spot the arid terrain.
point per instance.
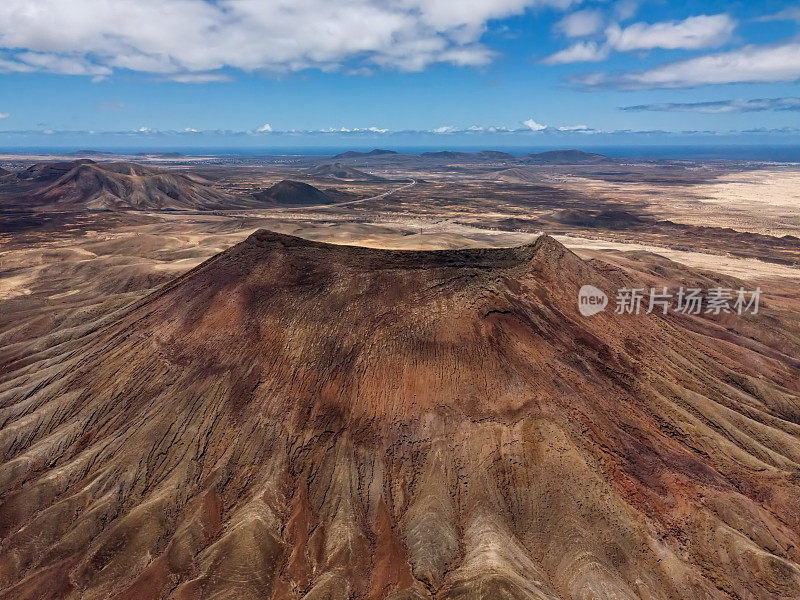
(366, 376)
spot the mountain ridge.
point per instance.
(86, 184)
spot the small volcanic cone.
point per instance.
(293, 193)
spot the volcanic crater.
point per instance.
(294, 419)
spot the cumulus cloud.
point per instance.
(4, 115)
(692, 33)
(702, 31)
(580, 23)
(533, 125)
(265, 128)
(745, 65)
(578, 52)
(721, 106)
(192, 40)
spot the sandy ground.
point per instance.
(749, 269)
(763, 201)
(78, 272)
(60, 269)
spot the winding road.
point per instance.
(411, 183)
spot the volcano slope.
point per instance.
(293, 419)
(85, 184)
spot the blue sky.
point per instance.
(281, 73)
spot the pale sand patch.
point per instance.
(184, 264)
(744, 268)
(63, 295)
(755, 188)
(12, 287)
(765, 201)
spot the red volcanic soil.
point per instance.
(294, 419)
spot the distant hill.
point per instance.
(294, 193)
(48, 171)
(448, 154)
(457, 155)
(92, 153)
(356, 154)
(85, 184)
(340, 171)
(494, 155)
(567, 157)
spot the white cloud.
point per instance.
(28, 62)
(445, 129)
(580, 23)
(702, 31)
(574, 128)
(578, 52)
(4, 115)
(625, 9)
(791, 13)
(533, 125)
(562, 132)
(265, 128)
(355, 130)
(722, 106)
(746, 65)
(198, 77)
(193, 40)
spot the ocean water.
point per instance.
(755, 153)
